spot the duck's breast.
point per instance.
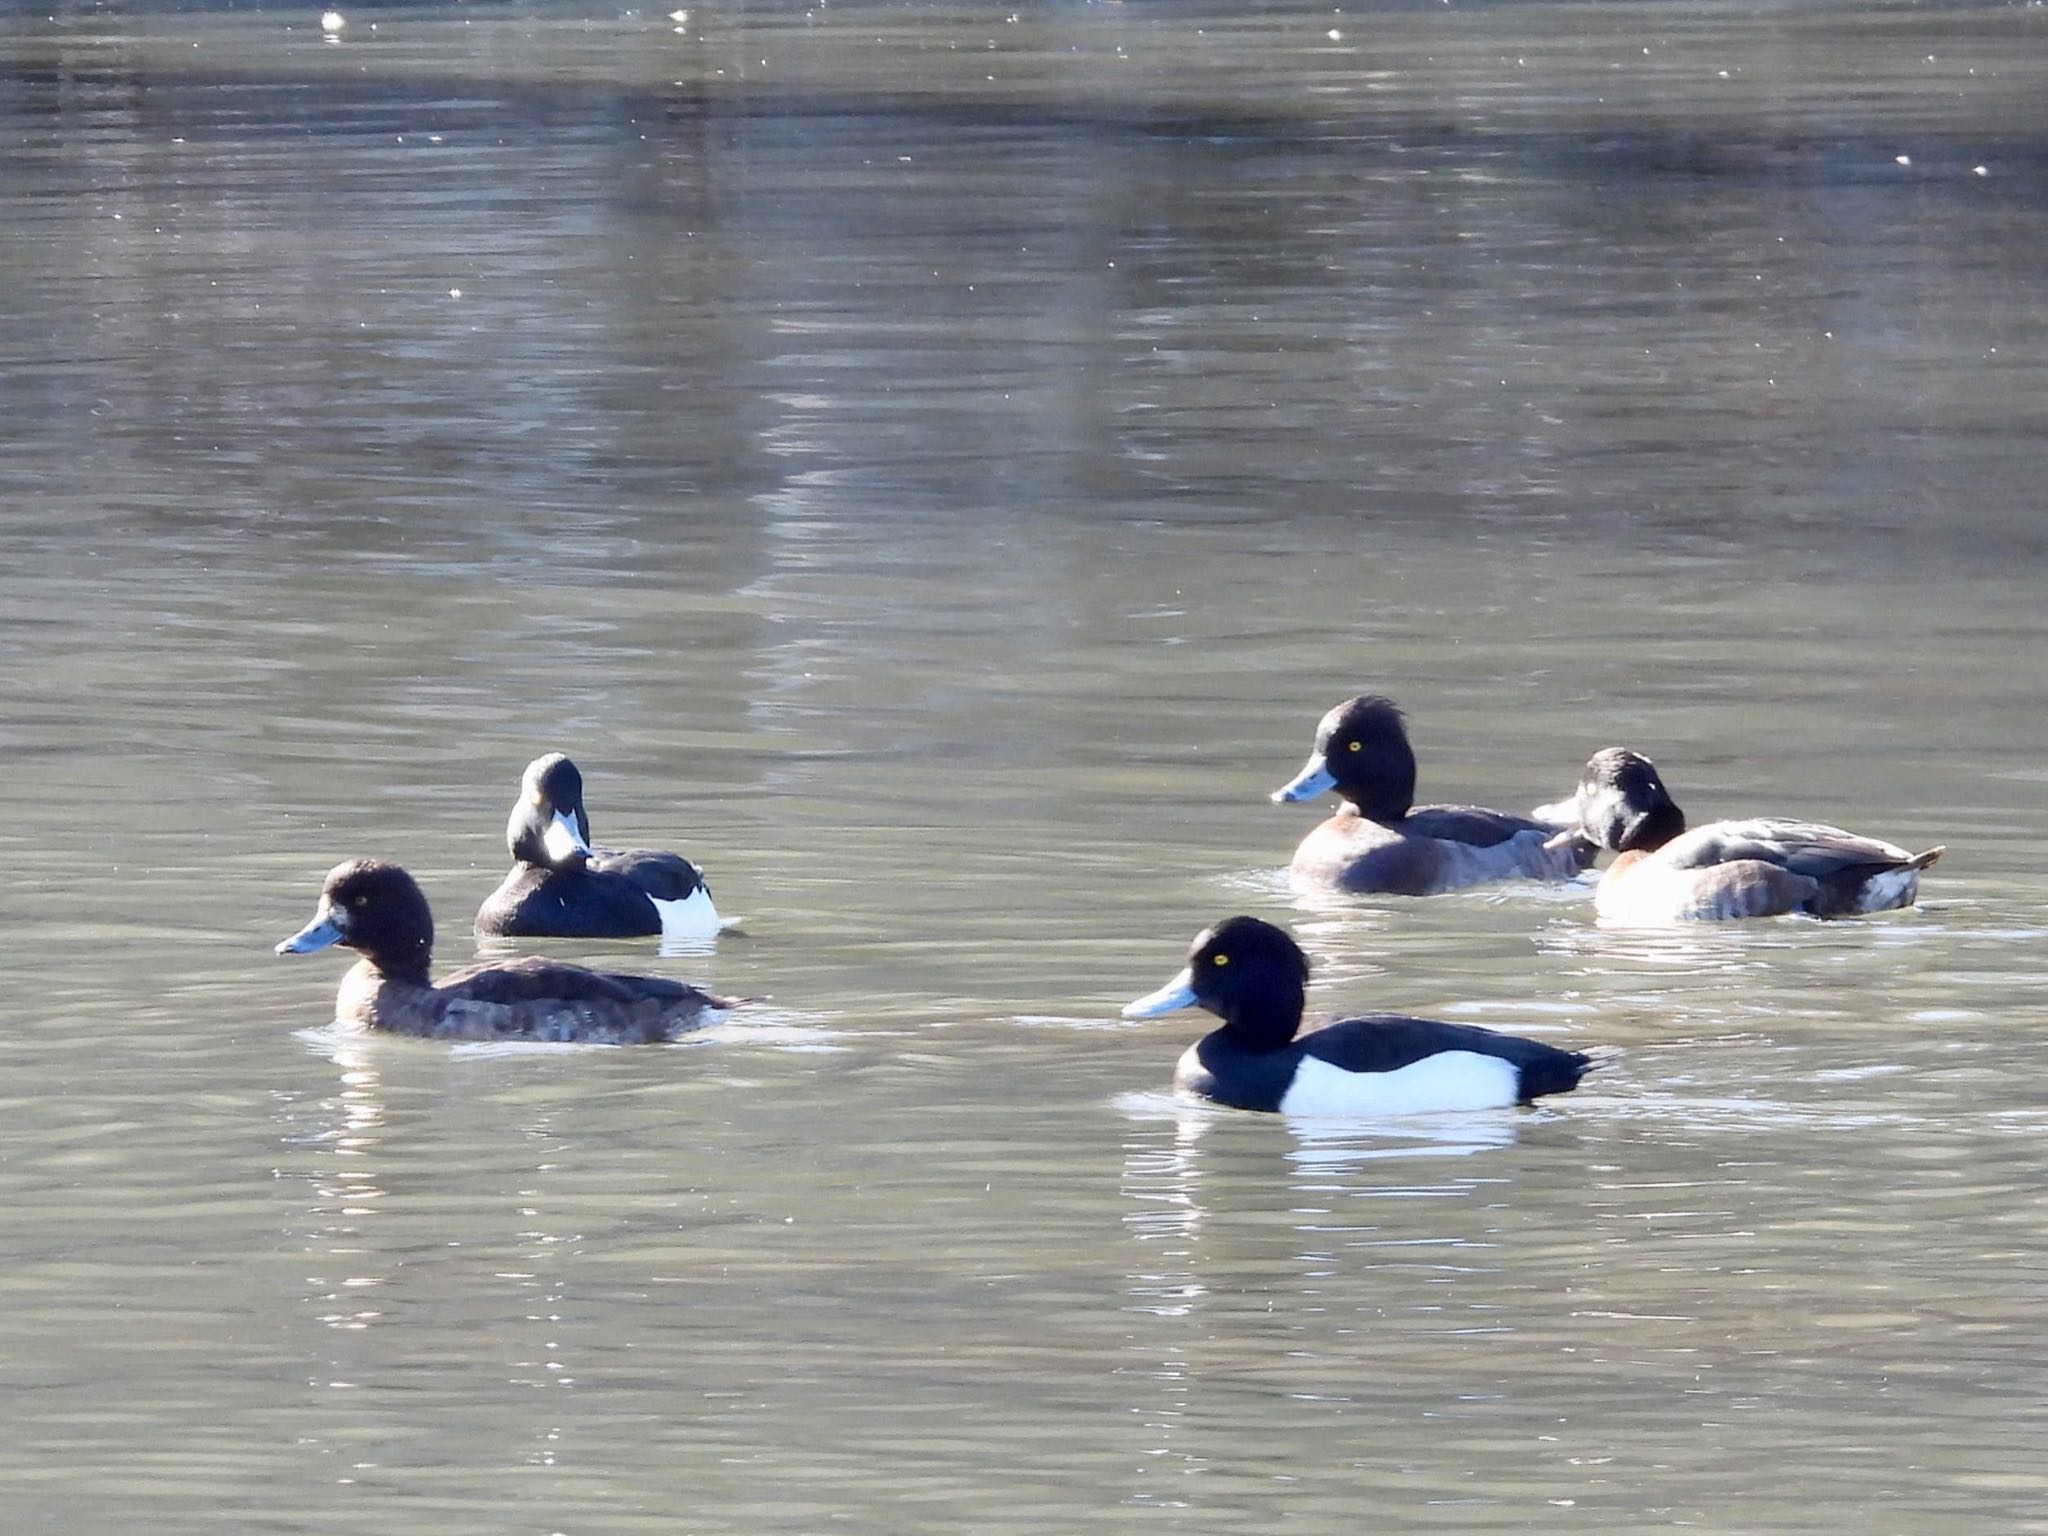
(1350, 853)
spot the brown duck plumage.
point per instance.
(376, 909)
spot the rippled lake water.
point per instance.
(933, 465)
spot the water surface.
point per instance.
(934, 465)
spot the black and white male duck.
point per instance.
(1763, 867)
(1381, 841)
(376, 909)
(561, 886)
(1254, 977)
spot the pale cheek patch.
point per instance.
(691, 918)
(1449, 1080)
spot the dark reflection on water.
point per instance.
(933, 465)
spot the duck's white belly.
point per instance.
(1449, 1080)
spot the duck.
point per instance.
(562, 886)
(1767, 866)
(375, 908)
(1254, 977)
(1380, 841)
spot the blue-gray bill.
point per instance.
(1314, 779)
(317, 934)
(1177, 993)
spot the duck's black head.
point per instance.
(1248, 973)
(1362, 752)
(549, 826)
(1622, 804)
(375, 908)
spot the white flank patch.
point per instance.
(1893, 888)
(691, 918)
(1449, 1080)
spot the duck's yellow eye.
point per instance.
(539, 798)
(1356, 746)
(1219, 959)
(359, 901)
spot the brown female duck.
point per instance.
(376, 909)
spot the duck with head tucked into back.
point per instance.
(1763, 867)
(376, 909)
(561, 886)
(1254, 977)
(1381, 841)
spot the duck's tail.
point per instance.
(1876, 888)
(1598, 1056)
(726, 1004)
(1559, 1071)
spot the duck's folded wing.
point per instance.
(664, 876)
(532, 980)
(1809, 848)
(1385, 1042)
(1470, 824)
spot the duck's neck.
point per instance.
(1381, 801)
(1271, 1021)
(408, 965)
(1653, 830)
